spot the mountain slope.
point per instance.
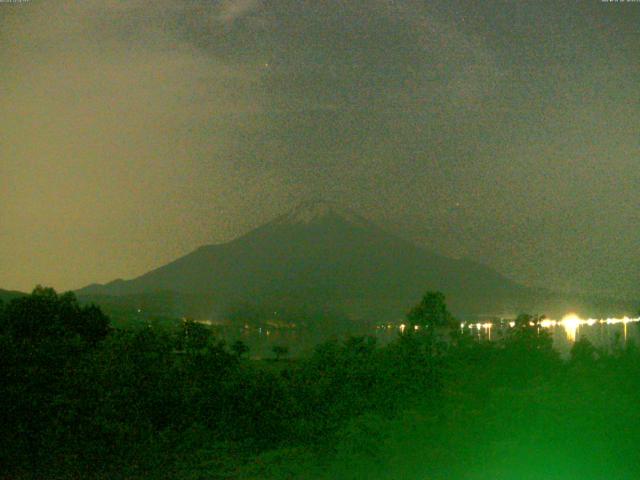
(8, 295)
(323, 257)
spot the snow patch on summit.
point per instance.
(314, 211)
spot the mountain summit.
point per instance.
(319, 256)
(318, 211)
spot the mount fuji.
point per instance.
(318, 257)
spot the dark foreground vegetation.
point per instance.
(79, 399)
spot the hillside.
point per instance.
(8, 295)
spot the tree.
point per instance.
(45, 339)
(280, 351)
(46, 315)
(194, 335)
(239, 348)
(430, 312)
(583, 352)
(523, 320)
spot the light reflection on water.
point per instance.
(606, 333)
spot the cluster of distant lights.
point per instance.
(570, 322)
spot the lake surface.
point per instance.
(607, 334)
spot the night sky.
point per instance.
(132, 132)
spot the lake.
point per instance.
(608, 334)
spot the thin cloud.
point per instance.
(231, 10)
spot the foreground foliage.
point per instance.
(80, 400)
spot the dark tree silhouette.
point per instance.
(280, 351)
(194, 335)
(45, 314)
(584, 353)
(239, 348)
(432, 311)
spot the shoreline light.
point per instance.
(571, 323)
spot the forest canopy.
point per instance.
(80, 399)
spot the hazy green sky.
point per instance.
(132, 132)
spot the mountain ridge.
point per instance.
(8, 295)
(320, 257)
(326, 257)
